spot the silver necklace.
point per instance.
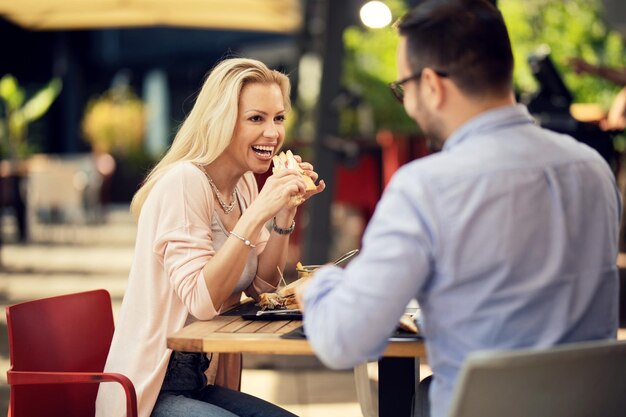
(226, 207)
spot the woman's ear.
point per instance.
(434, 88)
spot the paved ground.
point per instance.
(69, 259)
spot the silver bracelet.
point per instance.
(282, 231)
(243, 239)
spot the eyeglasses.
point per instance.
(397, 87)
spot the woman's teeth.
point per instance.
(263, 150)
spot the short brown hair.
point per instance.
(467, 39)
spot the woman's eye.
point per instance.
(256, 119)
(280, 118)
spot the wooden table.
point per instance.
(397, 373)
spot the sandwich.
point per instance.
(286, 160)
(285, 298)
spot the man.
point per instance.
(507, 238)
(616, 117)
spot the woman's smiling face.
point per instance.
(260, 128)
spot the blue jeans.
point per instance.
(184, 393)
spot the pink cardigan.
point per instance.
(166, 288)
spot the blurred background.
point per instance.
(91, 95)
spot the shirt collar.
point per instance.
(489, 121)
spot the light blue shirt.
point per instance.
(507, 238)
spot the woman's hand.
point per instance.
(276, 198)
(285, 216)
(277, 192)
(309, 171)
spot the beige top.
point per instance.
(178, 233)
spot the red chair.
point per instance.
(58, 348)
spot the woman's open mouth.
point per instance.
(263, 151)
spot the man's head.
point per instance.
(457, 57)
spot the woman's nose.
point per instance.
(271, 131)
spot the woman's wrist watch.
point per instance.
(282, 231)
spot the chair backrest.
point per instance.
(574, 380)
(70, 333)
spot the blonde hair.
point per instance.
(208, 129)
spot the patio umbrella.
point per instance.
(253, 15)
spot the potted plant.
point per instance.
(14, 146)
(19, 113)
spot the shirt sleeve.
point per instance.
(351, 312)
(183, 243)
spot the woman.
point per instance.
(201, 241)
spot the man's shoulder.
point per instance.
(427, 169)
(422, 176)
(425, 165)
(570, 150)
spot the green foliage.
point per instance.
(19, 113)
(369, 65)
(571, 28)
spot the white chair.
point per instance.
(364, 391)
(576, 380)
(367, 400)
(67, 185)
